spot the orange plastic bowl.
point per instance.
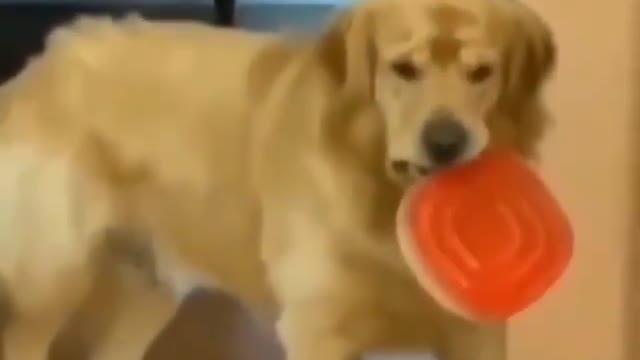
(488, 233)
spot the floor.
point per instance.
(215, 327)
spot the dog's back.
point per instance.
(131, 83)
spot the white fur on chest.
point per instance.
(178, 276)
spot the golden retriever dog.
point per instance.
(140, 160)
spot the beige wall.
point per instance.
(633, 328)
(587, 160)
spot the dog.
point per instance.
(142, 159)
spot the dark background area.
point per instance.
(24, 25)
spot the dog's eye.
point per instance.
(406, 70)
(479, 73)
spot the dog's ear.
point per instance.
(530, 56)
(528, 61)
(347, 52)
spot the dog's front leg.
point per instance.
(137, 315)
(311, 288)
(310, 333)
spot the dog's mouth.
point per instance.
(409, 172)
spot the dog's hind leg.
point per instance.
(50, 221)
(30, 332)
(128, 314)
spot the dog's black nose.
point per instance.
(444, 139)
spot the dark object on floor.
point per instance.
(209, 326)
(23, 26)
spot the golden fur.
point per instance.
(140, 159)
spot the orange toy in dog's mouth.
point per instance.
(485, 239)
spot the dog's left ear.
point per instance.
(530, 55)
(348, 54)
(528, 61)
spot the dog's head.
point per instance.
(449, 77)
